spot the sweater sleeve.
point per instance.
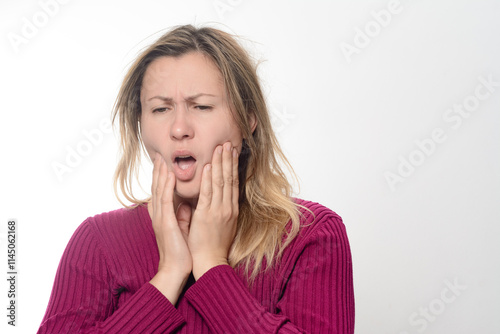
(317, 297)
(83, 299)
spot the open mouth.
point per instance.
(184, 161)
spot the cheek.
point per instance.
(150, 138)
(235, 137)
(218, 135)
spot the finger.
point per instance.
(227, 173)
(205, 188)
(159, 184)
(217, 178)
(156, 173)
(167, 200)
(236, 180)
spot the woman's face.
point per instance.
(185, 115)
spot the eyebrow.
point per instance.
(189, 98)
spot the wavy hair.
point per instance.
(266, 206)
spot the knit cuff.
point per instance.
(148, 310)
(225, 303)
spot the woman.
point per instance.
(220, 247)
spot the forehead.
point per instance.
(191, 73)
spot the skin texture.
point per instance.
(184, 109)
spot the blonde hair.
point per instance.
(266, 205)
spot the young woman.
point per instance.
(221, 246)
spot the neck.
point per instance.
(178, 200)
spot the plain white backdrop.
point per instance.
(381, 107)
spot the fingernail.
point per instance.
(208, 167)
(228, 147)
(219, 149)
(235, 152)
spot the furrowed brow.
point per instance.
(188, 99)
(194, 97)
(163, 98)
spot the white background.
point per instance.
(343, 122)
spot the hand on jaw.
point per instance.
(200, 240)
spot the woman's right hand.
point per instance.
(171, 229)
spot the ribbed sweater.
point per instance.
(102, 283)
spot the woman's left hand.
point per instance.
(213, 225)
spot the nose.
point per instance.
(181, 126)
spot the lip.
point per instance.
(183, 174)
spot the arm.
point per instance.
(83, 300)
(317, 298)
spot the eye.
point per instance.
(203, 107)
(160, 110)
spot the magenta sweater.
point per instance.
(102, 284)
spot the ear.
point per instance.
(253, 121)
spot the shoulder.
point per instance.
(113, 228)
(315, 217)
(320, 242)
(321, 231)
(123, 217)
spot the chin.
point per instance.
(187, 191)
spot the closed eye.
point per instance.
(203, 107)
(160, 110)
